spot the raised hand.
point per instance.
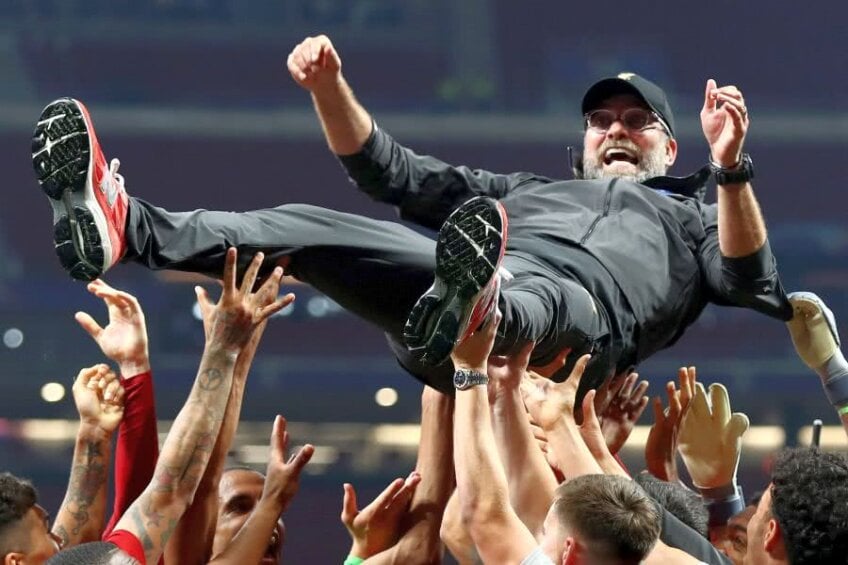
(548, 401)
(314, 63)
(711, 438)
(506, 372)
(230, 323)
(725, 121)
(661, 447)
(473, 352)
(623, 411)
(377, 526)
(282, 477)
(124, 339)
(99, 398)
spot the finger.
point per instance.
(388, 493)
(301, 63)
(736, 117)
(674, 407)
(273, 308)
(684, 377)
(720, 403)
(294, 69)
(404, 495)
(316, 46)
(520, 360)
(230, 271)
(89, 325)
(349, 508)
(86, 374)
(590, 418)
(699, 405)
(639, 392)
(203, 299)
(249, 278)
(731, 91)
(737, 425)
(627, 388)
(111, 390)
(577, 373)
(118, 395)
(637, 411)
(729, 100)
(299, 460)
(279, 439)
(709, 98)
(659, 411)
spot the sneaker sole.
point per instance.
(468, 253)
(61, 157)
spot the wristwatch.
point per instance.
(741, 173)
(465, 378)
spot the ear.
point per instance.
(569, 551)
(671, 151)
(773, 540)
(14, 559)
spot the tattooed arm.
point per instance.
(153, 517)
(99, 399)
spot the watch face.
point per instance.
(460, 379)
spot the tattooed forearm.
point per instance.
(80, 517)
(210, 379)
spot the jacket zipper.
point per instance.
(607, 200)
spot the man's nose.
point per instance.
(617, 130)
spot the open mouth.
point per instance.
(620, 154)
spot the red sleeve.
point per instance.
(138, 445)
(128, 543)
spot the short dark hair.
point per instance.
(94, 553)
(613, 516)
(808, 498)
(679, 501)
(17, 496)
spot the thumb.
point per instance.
(738, 425)
(89, 325)
(710, 100)
(349, 510)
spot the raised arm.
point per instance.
(426, 190)
(531, 481)
(99, 400)
(736, 257)
(153, 517)
(192, 540)
(481, 483)
(124, 341)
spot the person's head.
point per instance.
(629, 129)
(679, 501)
(25, 536)
(238, 494)
(734, 542)
(802, 516)
(94, 553)
(603, 519)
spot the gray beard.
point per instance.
(650, 165)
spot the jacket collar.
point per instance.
(692, 186)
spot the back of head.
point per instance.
(17, 496)
(611, 516)
(809, 499)
(679, 501)
(94, 553)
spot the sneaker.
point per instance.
(813, 329)
(87, 195)
(467, 286)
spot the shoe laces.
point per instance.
(114, 164)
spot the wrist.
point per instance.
(90, 430)
(133, 367)
(726, 162)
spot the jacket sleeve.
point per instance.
(751, 281)
(424, 189)
(137, 447)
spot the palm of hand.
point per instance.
(377, 528)
(617, 425)
(123, 338)
(94, 409)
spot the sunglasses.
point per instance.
(635, 119)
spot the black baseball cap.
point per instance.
(630, 83)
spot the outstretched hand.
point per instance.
(314, 63)
(282, 477)
(725, 121)
(661, 447)
(124, 339)
(376, 527)
(230, 323)
(547, 401)
(473, 351)
(623, 411)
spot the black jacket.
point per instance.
(660, 247)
